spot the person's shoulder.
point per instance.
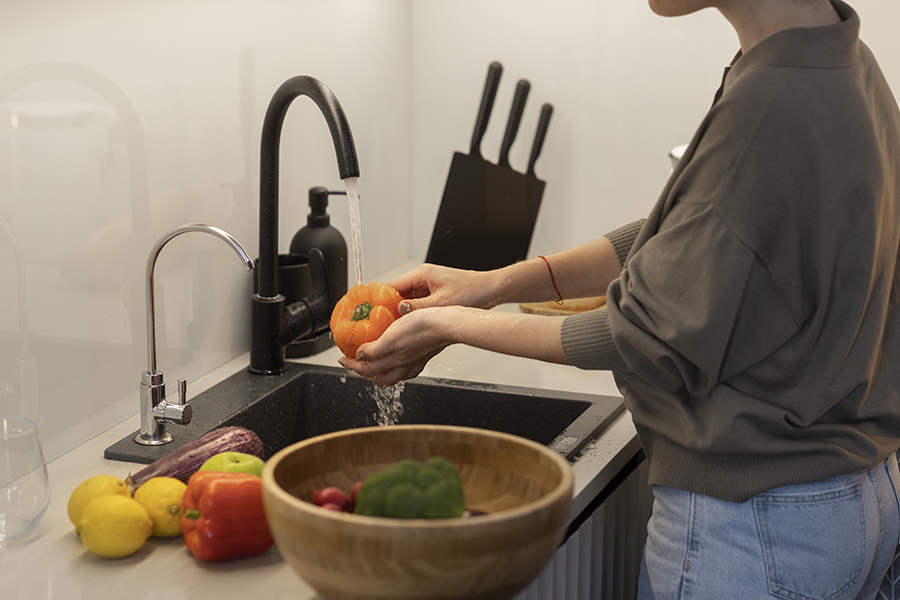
(762, 91)
(796, 112)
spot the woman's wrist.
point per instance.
(453, 323)
(519, 282)
(516, 334)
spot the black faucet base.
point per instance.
(310, 346)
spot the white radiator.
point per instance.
(890, 586)
(601, 560)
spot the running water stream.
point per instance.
(387, 400)
(355, 227)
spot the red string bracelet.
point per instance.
(552, 279)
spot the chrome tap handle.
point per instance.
(177, 413)
(180, 412)
(156, 410)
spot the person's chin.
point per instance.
(676, 8)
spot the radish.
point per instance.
(331, 495)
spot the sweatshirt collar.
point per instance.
(828, 46)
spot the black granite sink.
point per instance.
(312, 400)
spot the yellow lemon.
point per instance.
(162, 496)
(87, 490)
(114, 526)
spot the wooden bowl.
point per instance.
(524, 488)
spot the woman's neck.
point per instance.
(755, 21)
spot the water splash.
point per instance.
(387, 400)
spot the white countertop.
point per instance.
(53, 564)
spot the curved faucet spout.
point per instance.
(151, 264)
(156, 411)
(271, 319)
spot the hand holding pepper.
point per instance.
(367, 312)
(403, 350)
(434, 285)
(224, 516)
(363, 314)
(443, 306)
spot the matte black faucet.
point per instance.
(274, 324)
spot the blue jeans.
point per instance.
(830, 540)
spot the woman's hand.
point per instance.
(432, 295)
(404, 348)
(580, 272)
(444, 306)
(433, 285)
(411, 341)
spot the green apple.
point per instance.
(234, 462)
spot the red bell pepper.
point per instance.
(224, 516)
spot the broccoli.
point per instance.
(410, 490)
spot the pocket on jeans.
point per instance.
(814, 542)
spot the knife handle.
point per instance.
(491, 83)
(515, 118)
(539, 135)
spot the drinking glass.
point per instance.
(24, 488)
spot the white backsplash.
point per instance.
(121, 119)
(626, 84)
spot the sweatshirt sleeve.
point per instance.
(586, 337)
(680, 300)
(686, 294)
(623, 238)
(588, 342)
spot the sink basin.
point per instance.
(311, 400)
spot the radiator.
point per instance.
(890, 587)
(601, 560)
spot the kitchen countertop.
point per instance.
(51, 563)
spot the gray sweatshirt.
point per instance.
(754, 330)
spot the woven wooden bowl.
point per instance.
(524, 487)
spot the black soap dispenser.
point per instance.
(319, 233)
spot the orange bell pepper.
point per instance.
(363, 314)
(224, 516)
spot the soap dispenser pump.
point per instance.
(319, 233)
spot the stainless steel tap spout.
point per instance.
(155, 410)
(151, 264)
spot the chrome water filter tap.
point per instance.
(156, 411)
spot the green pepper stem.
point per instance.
(192, 513)
(361, 312)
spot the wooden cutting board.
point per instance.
(568, 307)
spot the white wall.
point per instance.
(195, 77)
(198, 75)
(626, 85)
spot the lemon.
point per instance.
(114, 526)
(162, 496)
(87, 490)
